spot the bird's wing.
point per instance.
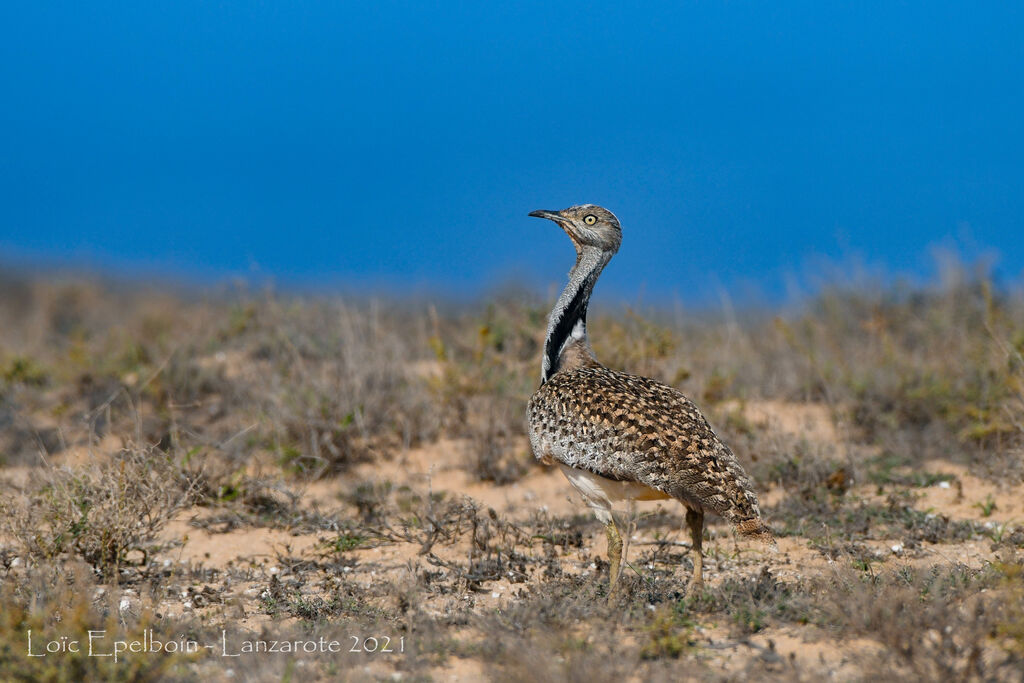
(633, 428)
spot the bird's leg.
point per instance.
(630, 524)
(604, 513)
(695, 520)
(614, 554)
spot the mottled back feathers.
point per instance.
(631, 428)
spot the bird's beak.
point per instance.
(550, 215)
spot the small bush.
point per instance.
(488, 372)
(101, 513)
(934, 624)
(335, 385)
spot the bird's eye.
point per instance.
(590, 219)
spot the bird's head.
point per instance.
(587, 226)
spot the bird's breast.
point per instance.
(606, 492)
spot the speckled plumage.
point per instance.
(619, 436)
(628, 428)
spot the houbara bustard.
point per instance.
(619, 437)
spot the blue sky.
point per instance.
(399, 146)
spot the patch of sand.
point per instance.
(246, 545)
(808, 420)
(969, 497)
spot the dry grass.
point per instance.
(340, 440)
(99, 513)
(336, 383)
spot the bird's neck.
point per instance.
(567, 324)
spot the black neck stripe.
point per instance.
(574, 312)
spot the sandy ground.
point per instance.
(439, 468)
(256, 553)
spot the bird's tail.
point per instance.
(756, 529)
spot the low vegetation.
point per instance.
(368, 467)
(102, 514)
